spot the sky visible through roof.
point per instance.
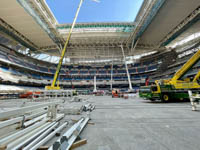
(105, 11)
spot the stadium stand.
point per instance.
(20, 66)
(183, 56)
(16, 67)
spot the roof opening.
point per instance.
(105, 11)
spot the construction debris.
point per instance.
(3, 147)
(88, 107)
(43, 148)
(80, 98)
(76, 99)
(76, 109)
(78, 144)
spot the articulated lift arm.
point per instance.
(53, 87)
(186, 67)
(196, 78)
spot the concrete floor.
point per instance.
(132, 124)
(136, 124)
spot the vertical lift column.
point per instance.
(53, 87)
(95, 84)
(128, 75)
(111, 77)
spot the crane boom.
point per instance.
(177, 87)
(186, 67)
(53, 87)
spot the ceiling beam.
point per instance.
(184, 25)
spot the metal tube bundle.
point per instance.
(44, 133)
(34, 132)
(48, 126)
(66, 141)
(74, 136)
(47, 138)
(12, 137)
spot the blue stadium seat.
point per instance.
(73, 72)
(141, 70)
(83, 72)
(121, 71)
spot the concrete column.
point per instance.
(95, 84)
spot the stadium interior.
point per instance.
(135, 76)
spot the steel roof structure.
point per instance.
(31, 24)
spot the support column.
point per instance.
(95, 84)
(134, 46)
(111, 77)
(128, 75)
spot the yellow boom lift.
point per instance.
(177, 87)
(53, 87)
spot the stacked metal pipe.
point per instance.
(68, 138)
(32, 122)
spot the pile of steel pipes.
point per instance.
(23, 126)
(35, 135)
(29, 128)
(68, 138)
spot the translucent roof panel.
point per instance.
(105, 11)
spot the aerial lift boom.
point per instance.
(53, 87)
(177, 87)
(183, 70)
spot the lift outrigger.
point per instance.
(177, 87)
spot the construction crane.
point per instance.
(177, 87)
(53, 87)
(179, 75)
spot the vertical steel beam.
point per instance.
(64, 49)
(95, 84)
(128, 75)
(111, 77)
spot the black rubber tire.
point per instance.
(165, 98)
